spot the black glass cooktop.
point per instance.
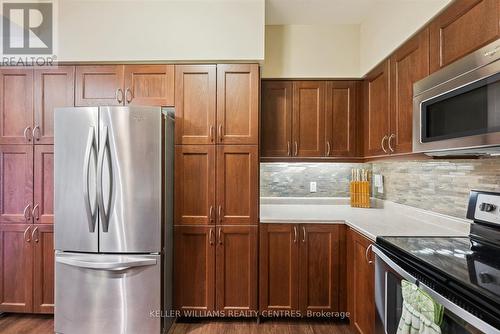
(469, 273)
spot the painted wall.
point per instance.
(311, 51)
(161, 30)
(389, 25)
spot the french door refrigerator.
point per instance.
(112, 219)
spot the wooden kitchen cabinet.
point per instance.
(238, 104)
(149, 85)
(16, 109)
(279, 267)
(308, 118)
(302, 268)
(53, 88)
(16, 268)
(409, 64)
(194, 268)
(236, 268)
(195, 173)
(43, 270)
(377, 110)
(360, 286)
(340, 118)
(237, 184)
(43, 190)
(195, 110)
(99, 85)
(276, 126)
(465, 26)
(16, 178)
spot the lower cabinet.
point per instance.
(301, 269)
(26, 268)
(215, 269)
(360, 278)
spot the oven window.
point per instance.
(394, 302)
(467, 111)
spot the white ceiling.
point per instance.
(322, 11)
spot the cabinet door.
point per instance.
(43, 275)
(279, 260)
(308, 118)
(16, 109)
(409, 64)
(236, 274)
(237, 184)
(16, 268)
(340, 119)
(54, 88)
(320, 267)
(465, 26)
(43, 210)
(194, 184)
(194, 268)
(16, 178)
(99, 85)
(238, 103)
(149, 85)
(276, 119)
(195, 110)
(377, 113)
(361, 279)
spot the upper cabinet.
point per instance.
(465, 26)
(409, 64)
(150, 85)
(217, 104)
(377, 110)
(308, 119)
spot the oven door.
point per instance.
(389, 302)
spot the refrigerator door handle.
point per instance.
(100, 167)
(86, 170)
(106, 265)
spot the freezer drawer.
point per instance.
(104, 293)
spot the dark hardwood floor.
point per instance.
(44, 324)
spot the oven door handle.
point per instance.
(394, 266)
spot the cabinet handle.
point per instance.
(382, 144)
(389, 142)
(220, 235)
(220, 213)
(128, 95)
(119, 95)
(304, 231)
(366, 254)
(296, 150)
(26, 133)
(295, 234)
(33, 237)
(220, 132)
(211, 236)
(288, 148)
(35, 134)
(210, 214)
(26, 233)
(327, 148)
(35, 213)
(26, 212)
(211, 133)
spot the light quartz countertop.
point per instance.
(383, 219)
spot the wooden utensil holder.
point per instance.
(360, 194)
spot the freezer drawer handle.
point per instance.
(86, 170)
(128, 263)
(100, 167)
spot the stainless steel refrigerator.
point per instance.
(113, 219)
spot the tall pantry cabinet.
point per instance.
(28, 97)
(216, 187)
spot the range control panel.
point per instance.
(484, 206)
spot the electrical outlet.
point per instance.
(312, 187)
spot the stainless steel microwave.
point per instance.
(456, 110)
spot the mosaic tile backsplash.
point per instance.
(438, 185)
